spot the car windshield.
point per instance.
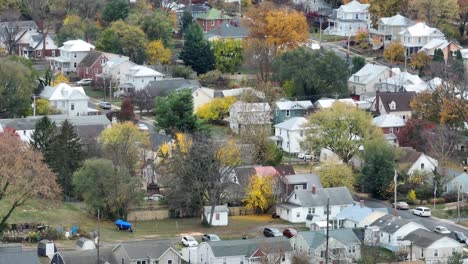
(190, 238)
(214, 237)
(274, 230)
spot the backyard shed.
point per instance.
(220, 217)
(85, 244)
(46, 248)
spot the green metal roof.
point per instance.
(214, 14)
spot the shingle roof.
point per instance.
(147, 248)
(384, 121)
(90, 59)
(337, 195)
(164, 87)
(421, 30)
(295, 123)
(87, 256)
(390, 224)
(422, 238)
(143, 71)
(218, 208)
(302, 178)
(63, 91)
(14, 253)
(344, 235)
(357, 213)
(368, 73)
(410, 155)
(214, 14)
(397, 20)
(355, 6)
(227, 30)
(76, 45)
(247, 247)
(288, 105)
(401, 99)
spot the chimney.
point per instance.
(361, 202)
(314, 189)
(222, 13)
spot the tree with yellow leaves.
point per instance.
(157, 53)
(259, 195)
(217, 109)
(420, 61)
(394, 52)
(60, 78)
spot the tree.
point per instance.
(436, 12)
(186, 20)
(158, 27)
(60, 78)
(456, 258)
(17, 83)
(143, 101)
(64, 155)
(411, 135)
(379, 168)
(438, 55)
(43, 107)
(115, 10)
(259, 194)
(11, 33)
(441, 144)
(126, 111)
(342, 129)
(394, 52)
(383, 8)
(104, 188)
(336, 175)
(181, 71)
(23, 176)
(197, 51)
(174, 113)
(156, 53)
(217, 109)
(420, 61)
(44, 132)
(228, 54)
(312, 72)
(362, 36)
(358, 63)
(412, 196)
(71, 29)
(121, 144)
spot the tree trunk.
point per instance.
(5, 217)
(213, 205)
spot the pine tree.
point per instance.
(438, 55)
(64, 155)
(197, 51)
(44, 131)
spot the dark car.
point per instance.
(210, 237)
(289, 232)
(271, 232)
(460, 237)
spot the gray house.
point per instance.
(146, 252)
(165, 86)
(285, 109)
(14, 253)
(299, 182)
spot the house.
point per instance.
(147, 251)
(140, 76)
(312, 5)
(71, 54)
(447, 47)
(246, 116)
(391, 229)
(390, 125)
(367, 78)
(71, 101)
(459, 182)
(357, 215)
(344, 245)
(286, 109)
(389, 28)
(431, 247)
(220, 217)
(229, 30)
(117, 67)
(92, 65)
(269, 250)
(83, 256)
(313, 201)
(397, 103)
(203, 95)
(16, 34)
(36, 47)
(14, 253)
(401, 82)
(290, 133)
(415, 37)
(349, 19)
(324, 103)
(464, 53)
(413, 161)
(303, 181)
(195, 10)
(212, 19)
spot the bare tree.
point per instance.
(143, 101)
(441, 144)
(11, 31)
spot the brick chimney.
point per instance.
(361, 203)
(314, 189)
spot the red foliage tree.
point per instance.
(126, 112)
(412, 134)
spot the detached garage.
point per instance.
(220, 215)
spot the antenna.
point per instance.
(328, 236)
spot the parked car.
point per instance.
(210, 237)
(289, 232)
(401, 205)
(422, 211)
(304, 156)
(142, 127)
(105, 105)
(154, 197)
(275, 216)
(271, 232)
(441, 230)
(84, 82)
(460, 237)
(189, 241)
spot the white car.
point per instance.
(154, 197)
(84, 82)
(441, 230)
(143, 127)
(189, 241)
(421, 211)
(304, 156)
(105, 105)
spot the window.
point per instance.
(156, 262)
(325, 210)
(392, 105)
(357, 16)
(397, 129)
(391, 130)
(53, 53)
(141, 262)
(72, 107)
(322, 254)
(169, 261)
(436, 253)
(224, 261)
(212, 22)
(454, 251)
(287, 113)
(74, 65)
(313, 210)
(422, 252)
(217, 216)
(123, 261)
(96, 70)
(38, 53)
(87, 70)
(352, 249)
(283, 258)
(422, 166)
(295, 196)
(103, 61)
(302, 133)
(310, 210)
(419, 40)
(277, 112)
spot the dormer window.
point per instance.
(392, 105)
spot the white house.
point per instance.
(71, 54)
(140, 76)
(312, 5)
(69, 100)
(260, 250)
(117, 67)
(366, 79)
(413, 161)
(403, 81)
(431, 247)
(389, 229)
(415, 37)
(344, 245)
(458, 182)
(323, 103)
(356, 216)
(301, 203)
(220, 215)
(349, 19)
(290, 133)
(389, 28)
(245, 116)
(390, 125)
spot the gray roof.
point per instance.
(247, 247)
(357, 213)
(390, 224)
(90, 59)
(14, 253)
(422, 238)
(218, 208)
(227, 30)
(147, 248)
(303, 178)
(337, 195)
(28, 24)
(164, 87)
(80, 242)
(344, 235)
(87, 256)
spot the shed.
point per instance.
(85, 244)
(46, 248)
(220, 217)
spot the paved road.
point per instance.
(429, 222)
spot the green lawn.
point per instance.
(99, 94)
(327, 38)
(442, 212)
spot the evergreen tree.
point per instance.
(44, 132)
(438, 55)
(65, 155)
(186, 20)
(197, 51)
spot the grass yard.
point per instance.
(327, 38)
(442, 212)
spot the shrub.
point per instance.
(211, 79)
(450, 197)
(181, 71)
(412, 196)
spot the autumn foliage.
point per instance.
(217, 109)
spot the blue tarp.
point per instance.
(121, 224)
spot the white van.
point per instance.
(422, 211)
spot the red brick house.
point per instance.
(91, 65)
(212, 19)
(391, 126)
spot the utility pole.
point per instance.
(327, 235)
(98, 235)
(395, 195)
(435, 193)
(458, 202)
(34, 108)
